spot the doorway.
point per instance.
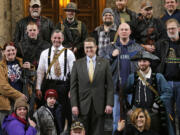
(90, 11)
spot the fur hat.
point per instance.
(51, 93)
(21, 102)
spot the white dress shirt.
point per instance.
(146, 76)
(43, 65)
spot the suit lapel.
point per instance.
(97, 67)
(85, 69)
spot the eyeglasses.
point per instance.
(173, 28)
(89, 47)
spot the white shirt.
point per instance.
(43, 65)
(148, 75)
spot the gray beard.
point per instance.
(176, 35)
(35, 14)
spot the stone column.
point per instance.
(10, 12)
(5, 21)
(17, 11)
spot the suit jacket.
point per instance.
(99, 92)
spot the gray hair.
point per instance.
(57, 31)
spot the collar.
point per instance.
(74, 22)
(118, 43)
(20, 119)
(70, 21)
(33, 41)
(170, 14)
(148, 75)
(93, 58)
(113, 27)
(35, 18)
(59, 48)
(122, 11)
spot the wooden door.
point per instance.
(90, 10)
(50, 9)
(88, 13)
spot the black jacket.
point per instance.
(162, 50)
(132, 130)
(72, 37)
(46, 27)
(117, 15)
(31, 49)
(146, 31)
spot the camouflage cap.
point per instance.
(35, 2)
(71, 7)
(76, 125)
(144, 55)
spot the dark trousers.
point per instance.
(93, 122)
(62, 88)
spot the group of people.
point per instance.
(60, 80)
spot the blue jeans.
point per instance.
(176, 97)
(116, 111)
(2, 115)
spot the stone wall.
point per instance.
(17, 12)
(10, 12)
(135, 5)
(5, 21)
(13, 10)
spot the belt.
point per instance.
(58, 82)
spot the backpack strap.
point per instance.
(148, 84)
(62, 27)
(65, 62)
(79, 26)
(49, 56)
(54, 60)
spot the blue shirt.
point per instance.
(93, 59)
(175, 15)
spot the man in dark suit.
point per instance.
(91, 89)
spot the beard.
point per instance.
(70, 18)
(121, 7)
(108, 23)
(143, 68)
(173, 36)
(35, 14)
(149, 16)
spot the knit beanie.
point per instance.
(21, 102)
(51, 93)
(108, 10)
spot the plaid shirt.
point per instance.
(104, 37)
